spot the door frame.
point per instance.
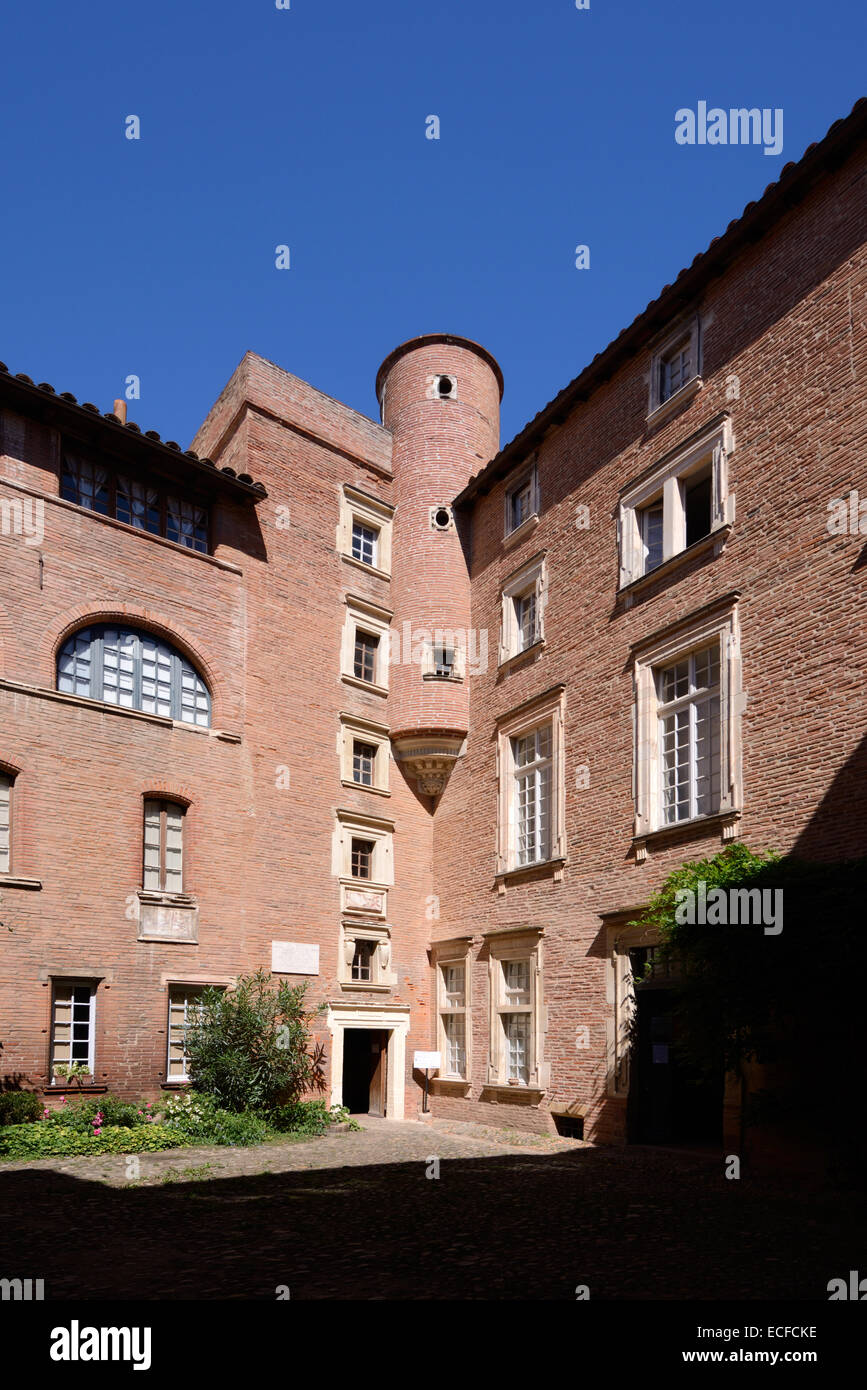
(394, 1021)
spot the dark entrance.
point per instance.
(669, 1102)
(364, 1070)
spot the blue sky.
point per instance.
(306, 127)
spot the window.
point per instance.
(687, 726)
(533, 764)
(184, 1005)
(675, 366)
(364, 754)
(452, 1009)
(163, 846)
(362, 960)
(689, 736)
(444, 661)
(135, 670)
(366, 644)
(522, 500)
(364, 650)
(651, 535)
(361, 858)
(143, 505)
(364, 530)
(366, 957)
(364, 543)
(523, 602)
(73, 1024)
(363, 862)
(363, 762)
(531, 799)
(682, 500)
(5, 822)
(516, 1039)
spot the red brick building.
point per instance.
(423, 721)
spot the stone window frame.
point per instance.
(352, 727)
(356, 825)
(531, 577)
(550, 707)
(529, 473)
(453, 953)
(458, 649)
(688, 328)
(721, 623)
(383, 977)
(620, 997)
(364, 616)
(357, 505)
(713, 446)
(504, 945)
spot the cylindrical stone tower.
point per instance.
(440, 397)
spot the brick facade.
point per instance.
(262, 619)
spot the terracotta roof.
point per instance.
(791, 187)
(127, 437)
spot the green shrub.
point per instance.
(306, 1117)
(250, 1048)
(79, 1114)
(198, 1117)
(42, 1140)
(19, 1107)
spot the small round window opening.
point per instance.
(441, 518)
(446, 388)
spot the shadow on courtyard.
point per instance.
(629, 1224)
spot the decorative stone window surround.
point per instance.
(516, 944)
(356, 505)
(368, 617)
(444, 953)
(719, 623)
(689, 328)
(531, 577)
(383, 977)
(353, 727)
(548, 707)
(713, 445)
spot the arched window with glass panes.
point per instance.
(135, 670)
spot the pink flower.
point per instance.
(63, 1100)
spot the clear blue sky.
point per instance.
(306, 127)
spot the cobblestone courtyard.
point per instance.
(355, 1216)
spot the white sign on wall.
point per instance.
(427, 1061)
(294, 958)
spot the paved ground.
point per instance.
(356, 1216)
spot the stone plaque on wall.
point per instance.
(161, 922)
(294, 958)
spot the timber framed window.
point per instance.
(365, 751)
(163, 859)
(675, 368)
(364, 530)
(522, 617)
(6, 797)
(452, 1007)
(517, 1020)
(134, 670)
(688, 706)
(522, 499)
(144, 505)
(365, 647)
(681, 501)
(531, 801)
(73, 1024)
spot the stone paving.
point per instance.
(362, 1216)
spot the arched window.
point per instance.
(134, 670)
